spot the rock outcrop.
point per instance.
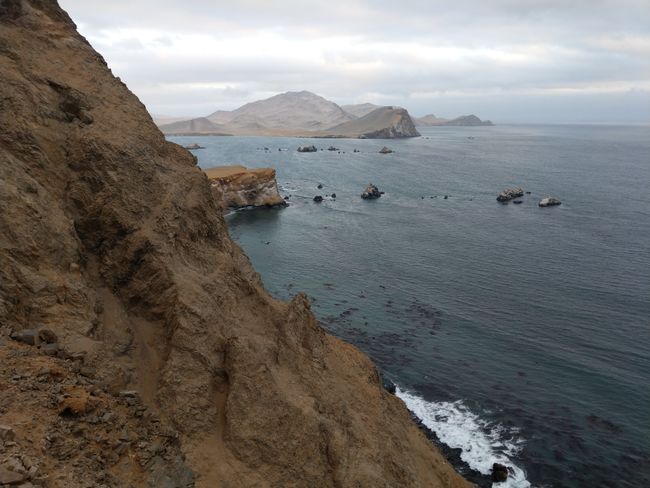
(510, 193)
(385, 150)
(549, 202)
(184, 370)
(371, 192)
(307, 148)
(238, 187)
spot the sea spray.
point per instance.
(481, 443)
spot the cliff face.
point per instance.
(111, 238)
(382, 123)
(239, 187)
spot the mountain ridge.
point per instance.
(302, 114)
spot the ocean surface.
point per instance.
(517, 334)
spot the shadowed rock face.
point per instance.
(110, 237)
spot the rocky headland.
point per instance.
(300, 114)
(173, 366)
(462, 121)
(238, 187)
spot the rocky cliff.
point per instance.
(382, 123)
(237, 187)
(170, 356)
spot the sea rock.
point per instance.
(499, 472)
(518, 202)
(385, 150)
(319, 186)
(194, 146)
(549, 202)
(332, 148)
(388, 385)
(333, 195)
(311, 148)
(318, 198)
(371, 192)
(510, 193)
(239, 187)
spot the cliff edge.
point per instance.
(239, 187)
(111, 240)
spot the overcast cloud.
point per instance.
(506, 60)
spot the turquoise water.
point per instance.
(518, 334)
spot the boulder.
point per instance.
(47, 336)
(549, 202)
(385, 150)
(50, 349)
(7, 433)
(311, 148)
(499, 472)
(371, 192)
(318, 198)
(510, 193)
(26, 336)
(388, 385)
(8, 477)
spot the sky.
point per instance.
(511, 61)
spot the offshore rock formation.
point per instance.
(111, 239)
(371, 192)
(308, 148)
(549, 202)
(238, 187)
(510, 193)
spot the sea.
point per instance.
(516, 334)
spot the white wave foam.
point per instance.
(481, 444)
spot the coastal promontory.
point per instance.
(154, 354)
(238, 187)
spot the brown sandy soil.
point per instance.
(110, 237)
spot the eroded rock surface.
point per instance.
(238, 187)
(111, 239)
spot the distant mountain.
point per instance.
(464, 120)
(165, 119)
(293, 111)
(361, 109)
(301, 114)
(200, 125)
(382, 123)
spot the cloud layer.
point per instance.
(508, 60)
